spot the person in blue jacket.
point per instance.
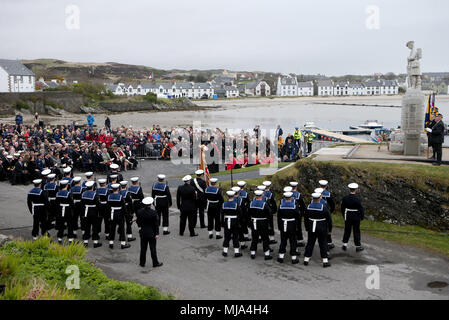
(90, 120)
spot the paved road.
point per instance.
(194, 268)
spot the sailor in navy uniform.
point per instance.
(64, 204)
(89, 177)
(147, 220)
(68, 176)
(77, 192)
(230, 217)
(214, 200)
(136, 193)
(44, 177)
(91, 215)
(113, 179)
(114, 172)
(302, 208)
(288, 215)
(200, 186)
(331, 205)
(244, 234)
(37, 201)
(353, 213)
(186, 203)
(316, 222)
(163, 201)
(129, 215)
(259, 212)
(104, 215)
(239, 199)
(269, 198)
(51, 188)
(117, 211)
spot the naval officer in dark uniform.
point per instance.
(148, 222)
(186, 203)
(353, 213)
(437, 138)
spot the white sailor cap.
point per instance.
(353, 186)
(230, 193)
(51, 176)
(161, 176)
(261, 188)
(77, 179)
(113, 176)
(90, 184)
(288, 194)
(258, 192)
(46, 172)
(235, 189)
(288, 189)
(134, 179)
(89, 174)
(316, 195)
(323, 182)
(294, 184)
(187, 178)
(241, 183)
(102, 181)
(266, 183)
(213, 180)
(114, 166)
(199, 172)
(123, 183)
(9, 157)
(318, 190)
(67, 170)
(16, 154)
(148, 200)
(37, 182)
(63, 182)
(115, 186)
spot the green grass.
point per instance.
(37, 270)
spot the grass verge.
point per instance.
(38, 270)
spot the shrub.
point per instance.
(150, 97)
(21, 105)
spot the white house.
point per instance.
(356, 89)
(389, 87)
(15, 77)
(287, 87)
(257, 88)
(373, 87)
(325, 88)
(305, 89)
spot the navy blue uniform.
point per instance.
(353, 212)
(214, 200)
(37, 201)
(288, 216)
(316, 221)
(259, 214)
(163, 201)
(64, 205)
(231, 214)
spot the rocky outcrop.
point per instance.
(398, 198)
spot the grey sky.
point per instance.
(319, 36)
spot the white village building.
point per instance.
(305, 89)
(257, 88)
(287, 86)
(15, 77)
(325, 88)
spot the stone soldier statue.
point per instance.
(413, 67)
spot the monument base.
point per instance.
(412, 124)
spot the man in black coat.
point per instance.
(148, 221)
(353, 213)
(437, 138)
(186, 203)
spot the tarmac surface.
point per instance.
(195, 269)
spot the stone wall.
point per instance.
(127, 106)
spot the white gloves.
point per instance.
(429, 130)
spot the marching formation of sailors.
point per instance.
(113, 205)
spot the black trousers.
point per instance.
(191, 216)
(201, 208)
(352, 225)
(309, 147)
(118, 221)
(129, 223)
(39, 221)
(104, 218)
(270, 225)
(76, 216)
(144, 242)
(61, 223)
(243, 226)
(291, 237)
(162, 211)
(299, 235)
(321, 235)
(213, 219)
(438, 149)
(329, 234)
(91, 227)
(261, 231)
(229, 234)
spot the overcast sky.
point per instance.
(315, 36)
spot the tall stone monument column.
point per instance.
(413, 113)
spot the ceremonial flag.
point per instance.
(428, 112)
(203, 164)
(150, 75)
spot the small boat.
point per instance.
(376, 134)
(371, 124)
(310, 125)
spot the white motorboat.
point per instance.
(371, 124)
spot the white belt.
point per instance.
(51, 199)
(35, 205)
(229, 218)
(350, 210)
(112, 211)
(255, 221)
(76, 201)
(314, 223)
(103, 202)
(64, 205)
(286, 222)
(155, 198)
(86, 210)
(211, 201)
